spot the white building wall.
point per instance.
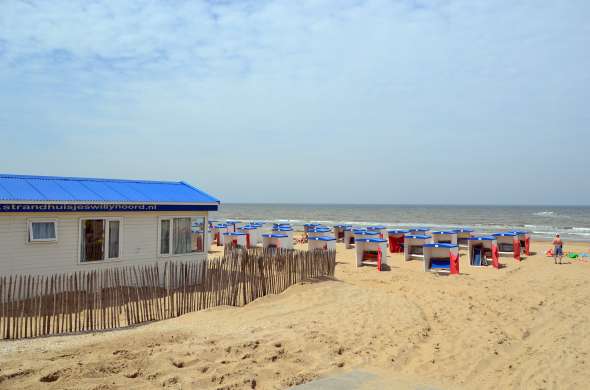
(138, 242)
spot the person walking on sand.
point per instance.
(557, 248)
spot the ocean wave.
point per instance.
(551, 214)
(544, 213)
(551, 233)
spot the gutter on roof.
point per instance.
(11, 201)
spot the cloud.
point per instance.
(346, 81)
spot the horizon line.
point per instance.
(407, 204)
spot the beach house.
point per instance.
(63, 224)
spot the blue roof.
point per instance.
(377, 227)
(359, 231)
(444, 232)
(519, 232)
(74, 189)
(371, 240)
(234, 234)
(322, 238)
(506, 234)
(482, 238)
(463, 230)
(398, 231)
(320, 230)
(282, 229)
(419, 229)
(275, 235)
(440, 245)
(418, 236)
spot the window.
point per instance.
(165, 237)
(42, 230)
(114, 239)
(100, 239)
(182, 235)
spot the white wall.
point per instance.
(138, 243)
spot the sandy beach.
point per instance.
(521, 327)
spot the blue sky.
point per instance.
(342, 101)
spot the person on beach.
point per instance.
(557, 248)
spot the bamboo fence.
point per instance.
(118, 297)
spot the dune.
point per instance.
(524, 326)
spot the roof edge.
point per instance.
(201, 191)
(40, 177)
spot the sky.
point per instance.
(343, 101)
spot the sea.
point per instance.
(571, 222)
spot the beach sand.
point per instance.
(525, 326)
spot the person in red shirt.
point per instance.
(557, 248)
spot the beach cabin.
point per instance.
(64, 224)
(271, 240)
(419, 231)
(444, 236)
(440, 257)
(259, 230)
(463, 235)
(371, 251)
(508, 244)
(396, 240)
(483, 251)
(363, 233)
(309, 226)
(251, 235)
(339, 231)
(236, 240)
(525, 241)
(209, 238)
(319, 231)
(414, 246)
(382, 230)
(283, 229)
(233, 224)
(348, 238)
(321, 243)
(217, 232)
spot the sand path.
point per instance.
(523, 327)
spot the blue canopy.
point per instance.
(482, 238)
(440, 245)
(505, 234)
(418, 236)
(322, 238)
(371, 240)
(398, 231)
(463, 230)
